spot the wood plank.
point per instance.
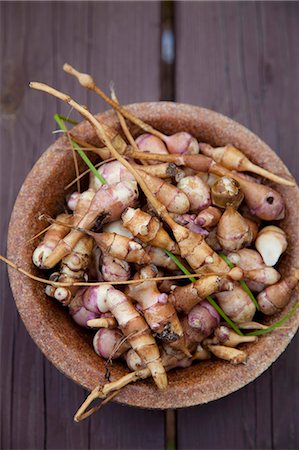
(233, 58)
(114, 42)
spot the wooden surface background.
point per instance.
(239, 58)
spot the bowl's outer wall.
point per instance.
(68, 346)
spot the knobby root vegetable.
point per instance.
(212, 240)
(184, 298)
(265, 275)
(233, 231)
(149, 143)
(55, 233)
(102, 322)
(236, 304)
(148, 229)
(233, 159)
(162, 170)
(82, 312)
(107, 204)
(117, 228)
(191, 245)
(197, 191)
(133, 326)
(225, 336)
(233, 355)
(201, 321)
(226, 192)
(189, 221)
(110, 344)
(72, 268)
(252, 326)
(126, 249)
(271, 242)
(248, 259)
(172, 197)
(263, 201)
(114, 269)
(274, 298)
(113, 172)
(208, 217)
(158, 311)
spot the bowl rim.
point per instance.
(144, 394)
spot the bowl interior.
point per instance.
(67, 345)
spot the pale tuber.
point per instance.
(271, 242)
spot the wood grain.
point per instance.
(241, 59)
(113, 41)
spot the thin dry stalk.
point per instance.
(103, 136)
(87, 81)
(82, 414)
(87, 171)
(38, 234)
(97, 283)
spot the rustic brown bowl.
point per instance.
(67, 345)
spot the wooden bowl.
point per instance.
(68, 346)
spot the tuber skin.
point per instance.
(233, 159)
(263, 201)
(189, 221)
(184, 298)
(117, 228)
(212, 240)
(233, 231)
(113, 172)
(266, 275)
(226, 192)
(208, 217)
(248, 259)
(151, 144)
(79, 312)
(158, 311)
(160, 170)
(114, 269)
(274, 298)
(201, 321)
(132, 325)
(55, 233)
(106, 205)
(236, 304)
(271, 242)
(182, 143)
(73, 267)
(197, 191)
(108, 343)
(225, 336)
(147, 229)
(127, 249)
(233, 355)
(102, 322)
(172, 197)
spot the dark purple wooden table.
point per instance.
(238, 58)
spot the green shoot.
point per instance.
(242, 282)
(179, 264)
(224, 316)
(276, 324)
(66, 119)
(60, 122)
(209, 298)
